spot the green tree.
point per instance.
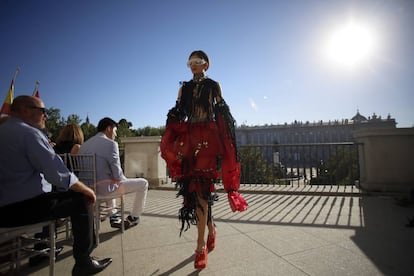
(73, 119)
(54, 122)
(88, 130)
(124, 128)
(150, 131)
(255, 169)
(342, 166)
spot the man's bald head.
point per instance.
(31, 110)
(24, 101)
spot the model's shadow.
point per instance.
(179, 266)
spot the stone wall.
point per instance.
(143, 159)
(386, 159)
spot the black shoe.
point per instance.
(114, 218)
(128, 222)
(91, 266)
(35, 260)
(133, 220)
(115, 222)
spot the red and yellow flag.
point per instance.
(5, 109)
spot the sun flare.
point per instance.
(350, 45)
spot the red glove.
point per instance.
(237, 202)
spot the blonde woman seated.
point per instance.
(69, 140)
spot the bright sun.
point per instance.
(350, 45)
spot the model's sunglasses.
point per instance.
(196, 61)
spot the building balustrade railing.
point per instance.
(380, 160)
(307, 164)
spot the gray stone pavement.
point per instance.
(291, 231)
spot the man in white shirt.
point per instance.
(108, 167)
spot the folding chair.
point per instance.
(17, 244)
(84, 166)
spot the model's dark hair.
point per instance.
(200, 54)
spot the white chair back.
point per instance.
(84, 166)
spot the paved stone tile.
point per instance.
(286, 240)
(288, 233)
(332, 260)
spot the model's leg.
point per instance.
(210, 224)
(200, 261)
(202, 216)
(211, 238)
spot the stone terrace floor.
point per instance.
(287, 230)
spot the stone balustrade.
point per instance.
(143, 159)
(386, 159)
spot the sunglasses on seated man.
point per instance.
(43, 109)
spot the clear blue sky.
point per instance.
(124, 59)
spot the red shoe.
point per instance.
(200, 261)
(211, 240)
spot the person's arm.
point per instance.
(85, 190)
(75, 149)
(180, 91)
(115, 162)
(44, 160)
(218, 96)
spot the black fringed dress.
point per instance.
(198, 145)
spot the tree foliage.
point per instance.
(150, 131)
(88, 129)
(256, 170)
(55, 122)
(124, 128)
(341, 168)
(73, 119)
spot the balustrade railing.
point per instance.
(308, 164)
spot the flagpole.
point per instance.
(14, 81)
(15, 73)
(36, 88)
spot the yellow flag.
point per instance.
(5, 109)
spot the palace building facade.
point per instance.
(307, 133)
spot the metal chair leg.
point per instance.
(52, 246)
